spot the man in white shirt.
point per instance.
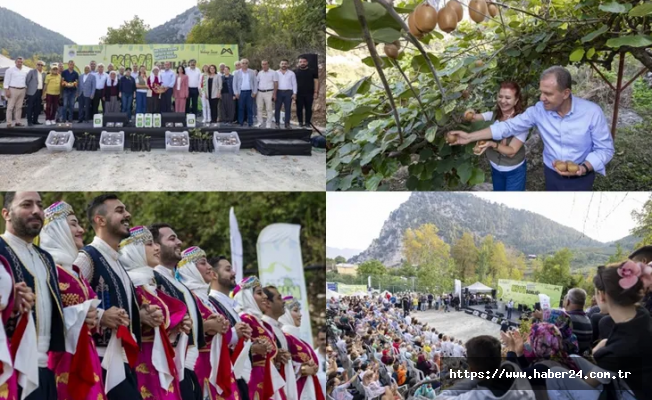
(99, 264)
(168, 78)
(221, 286)
(15, 90)
(35, 269)
(245, 89)
(267, 82)
(194, 77)
(285, 93)
(272, 314)
(100, 83)
(165, 236)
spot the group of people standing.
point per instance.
(131, 316)
(225, 97)
(571, 128)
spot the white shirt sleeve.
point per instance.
(294, 83)
(487, 116)
(8, 76)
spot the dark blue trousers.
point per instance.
(283, 98)
(245, 102)
(558, 183)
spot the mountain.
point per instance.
(175, 30)
(22, 37)
(332, 252)
(455, 213)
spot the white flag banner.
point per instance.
(458, 289)
(280, 264)
(236, 247)
(545, 301)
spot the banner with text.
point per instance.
(350, 290)
(280, 264)
(523, 292)
(126, 55)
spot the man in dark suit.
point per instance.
(85, 94)
(34, 93)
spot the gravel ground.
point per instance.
(458, 324)
(162, 171)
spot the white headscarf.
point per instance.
(286, 319)
(134, 258)
(244, 297)
(189, 274)
(56, 237)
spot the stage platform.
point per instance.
(513, 321)
(248, 136)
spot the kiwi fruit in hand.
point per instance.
(468, 115)
(572, 167)
(450, 138)
(561, 166)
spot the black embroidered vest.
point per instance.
(168, 288)
(22, 274)
(110, 291)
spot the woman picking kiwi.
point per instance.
(507, 157)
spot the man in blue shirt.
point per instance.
(127, 88)
(70, 79)
(168, 79)
(572, 129)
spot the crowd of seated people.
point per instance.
(384, 355)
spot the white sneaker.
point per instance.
(47, 122)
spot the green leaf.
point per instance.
(412, 183)
(615, 7)
(346, 149)
(407, 141)
(385, 35)
(641, 10)
(425, 154)
(595, 34)
(445, 165)
(431, 133)
(564, 26)
(540, 47)
(372, 183)
(404, 10)
(590, 53)
(345, 183)
(360, 87)
(340, 44)
(331, 174)
(477, 176)
(633, 41)
(419, 62)
(513, 52)
(367, 157)
(464, 171)
(577, 55)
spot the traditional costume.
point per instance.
(77, 370)
(226, 306)
(118, 349)
(213, 364)
(186, 346)
(302, 353)
(155, 368)
(265, 382)
(287, 370)
(41, 331)
(8, 387)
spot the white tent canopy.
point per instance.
(330, 293)
(479, 288)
